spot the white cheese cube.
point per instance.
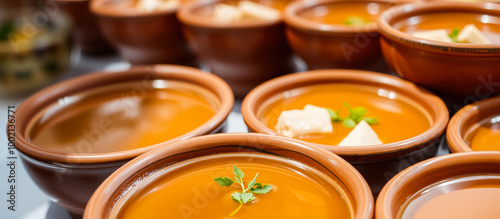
(310, 120)
(253, 9)
(157, 5)
(436, 35)
(225, 13)
(361, 135)
(471, 34)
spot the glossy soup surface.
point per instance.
(399, 118)
(190, 191)
(463, 197)
(338, 12)
(485, 136)
(489, 25)
(122, 117)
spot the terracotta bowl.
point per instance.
(377, 163)
(244, 54)
(412, 180)
(143, 37)
(449, 68)
(69, 179)
(466, 119)
(86, 30)
(326, 46)
(119, 183)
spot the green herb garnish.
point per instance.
(354, 21)
(247, 194)
(356, 115)
(454, 35)
(6, 28)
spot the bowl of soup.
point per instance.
(241, 41)
(337, 33)
(462, 185)
(476, 127)
(144, 31)
(383, 124)
(76, 133)
(450, 47)
(86, 30)
(33, 54)
(180, 180)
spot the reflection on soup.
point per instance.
(399, 118)
(346, 13)
(487, 24)
(485, 136)
(122, 117)
(462, 197)
(188, 190)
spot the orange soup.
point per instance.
(489, 25)
(122, 117)
(463, 197)
(188, 190)
(485, 136)
(339, 13)
(399, 118)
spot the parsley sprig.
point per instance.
(247, 194)
(454, 35)
(356, 115)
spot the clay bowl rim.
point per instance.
(361, 195)
(401, 12)
(31, 106)
(296, 80)
(186, 17)
(98, 8)
(413, 173)
(458, 123)
(294, 20)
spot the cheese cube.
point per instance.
(225, 13)
(157, 5)
(253, 9)
(436, 35)
(361, 135)
(471, 34)
(310, 120)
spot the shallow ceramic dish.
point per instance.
(454, 186)
(324, 42)
(143, 37)
(83, 165)
(449, 68)
(86, 30)
(244, 54)
(377, 163)
(465, 125)
(251, 146)
(32, 54)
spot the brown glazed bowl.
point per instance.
(466, 118)
(452, 69)
(143, 37)
(377, 163)
(103, 200)
(86, 30)
(410, 181)
(326, 46)
(244, 54)
(69, 179)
